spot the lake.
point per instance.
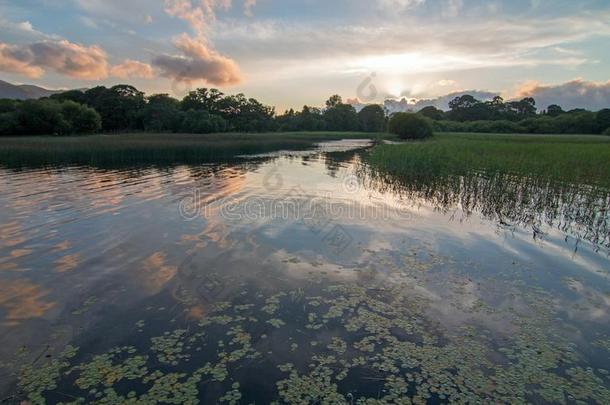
(301, 277)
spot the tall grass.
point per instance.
(146, 148)
(574, 159)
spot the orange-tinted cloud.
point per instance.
(156, 273)
(62, 56)
(22, 300)
(10, 62)
(67, 263)
(198, 62)
(132, 68)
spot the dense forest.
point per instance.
(124, 108)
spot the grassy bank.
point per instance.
(577, 159)
(126, 149)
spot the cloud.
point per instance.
(441, 102)
(197, 62)
(446, 83)
(398, 5)
(198, 16)
(574, 94)
(11, 63)
(23, 300)
(248, 6)
(132, 69)
(64, 57)
(108, 11)
(22, 31)
(490, 42)
(453, 8)
(198, 59)
(577, 93)
(89, 22)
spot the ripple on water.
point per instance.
(386, 290)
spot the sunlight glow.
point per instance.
(417, 63)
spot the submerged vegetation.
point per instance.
(380, 343)
(404, 321)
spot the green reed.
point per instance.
(573, 159)
(146, 148)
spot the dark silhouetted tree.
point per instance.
(554, 110)
(372, 118)
(432, 112)
(161, 113)
(410, 126)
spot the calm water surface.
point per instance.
(300, 278)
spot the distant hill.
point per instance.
(23, 91)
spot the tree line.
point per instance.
(467, 114)
(124, 108)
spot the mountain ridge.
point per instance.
(24, 91)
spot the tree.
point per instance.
(432, 112)
(498, 108)
(602, 118)
(203, 99)
(161, 113)
(334, 101)
(120, 106)
(77, 96)
(41, 117)
(468, 108)
(202, 122)
(554, 110)
(372, 118)
(247, 115)
(341, 117)
(410, 126)
(7, 105)
(577, 123)
(497, 102)
(524, 108)
(310, 119)
(9, 125)
(80, 118)
(463, 102)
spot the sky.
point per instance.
(289, 53)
